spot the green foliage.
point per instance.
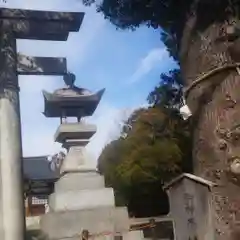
(156, 143)
(169, 91)
(150, 162)
(171, 43)
(108, 161)
(154, 13)
(155, 147)
(171, 16)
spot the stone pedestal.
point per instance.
(80, 200)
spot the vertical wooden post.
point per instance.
(153, 230)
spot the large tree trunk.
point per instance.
(215, 104)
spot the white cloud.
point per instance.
(109, 121)
(154, 57)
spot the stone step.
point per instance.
(60, 225)
(79, 181)
(82, 199)
(131, 235)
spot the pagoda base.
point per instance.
(81, 201)
(133, 235)
(70, 224)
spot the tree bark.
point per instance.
(215, 104)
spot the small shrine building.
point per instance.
(39, 182)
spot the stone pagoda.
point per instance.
(80, 201)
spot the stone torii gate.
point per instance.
(22, 24)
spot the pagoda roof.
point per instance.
(56, 105)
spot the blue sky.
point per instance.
(127, 64)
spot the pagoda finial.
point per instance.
(69, 79)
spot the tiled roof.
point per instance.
(37, 168)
